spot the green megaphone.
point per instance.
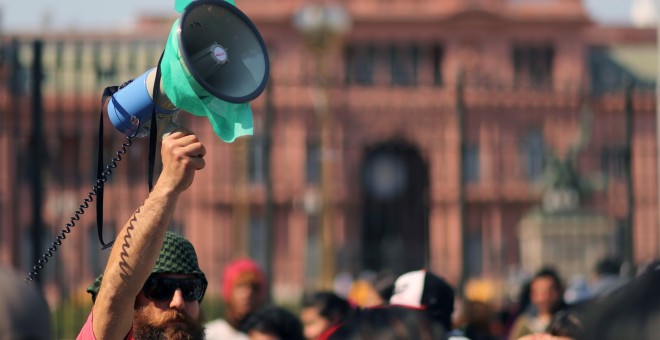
(214, 63)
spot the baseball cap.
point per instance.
(425, 290)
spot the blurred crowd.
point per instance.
(612, 303)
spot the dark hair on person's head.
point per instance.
(388, 323)
(330, 305)
(276, 321)
(524, 299)
(551, 273)
(608, 266)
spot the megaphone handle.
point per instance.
(170, 127)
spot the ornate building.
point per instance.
(430, 148)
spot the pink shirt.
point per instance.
(87, 332)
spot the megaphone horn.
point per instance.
(214, 52)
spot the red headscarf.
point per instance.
(234, 270)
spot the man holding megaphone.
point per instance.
(152, 285)
(214, 63)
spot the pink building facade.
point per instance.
(440, 115)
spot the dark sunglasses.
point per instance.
(159, 288)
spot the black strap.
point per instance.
(100, 181)
(152, 148)
(154, 128)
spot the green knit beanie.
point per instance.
(176, 257)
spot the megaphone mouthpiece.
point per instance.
(130, 108)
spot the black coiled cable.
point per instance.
(102, 178)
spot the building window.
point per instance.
(621, 234)
(470, 163)
(533, 65)
(533, 150)
(17, 81)
(614, 161)
(611, 68)
(437, 65)
(360, 63)
(313, 256)
(605, 74)
(313, 163)
(475, 247)
(256, 166)
(258, 247)
(400, 61)
(404, 63)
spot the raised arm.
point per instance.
(137, 246)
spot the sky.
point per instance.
(41, 15)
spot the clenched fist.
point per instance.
(182, 154)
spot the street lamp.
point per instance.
(322, 26)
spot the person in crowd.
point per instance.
(479, 321)
(566, 324)
(630, 312)
(384, 286)
(577, 290)
(243, 291)
(24, 313)
(363, 294)
(607, 278)
(274, 323)
(516, 307)
(152, 285)
(342, 284)
(425, 290)
(388, 323)
(321, 312)
(546, 298)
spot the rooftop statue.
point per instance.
(563, 185)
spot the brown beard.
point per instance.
(146, 326)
